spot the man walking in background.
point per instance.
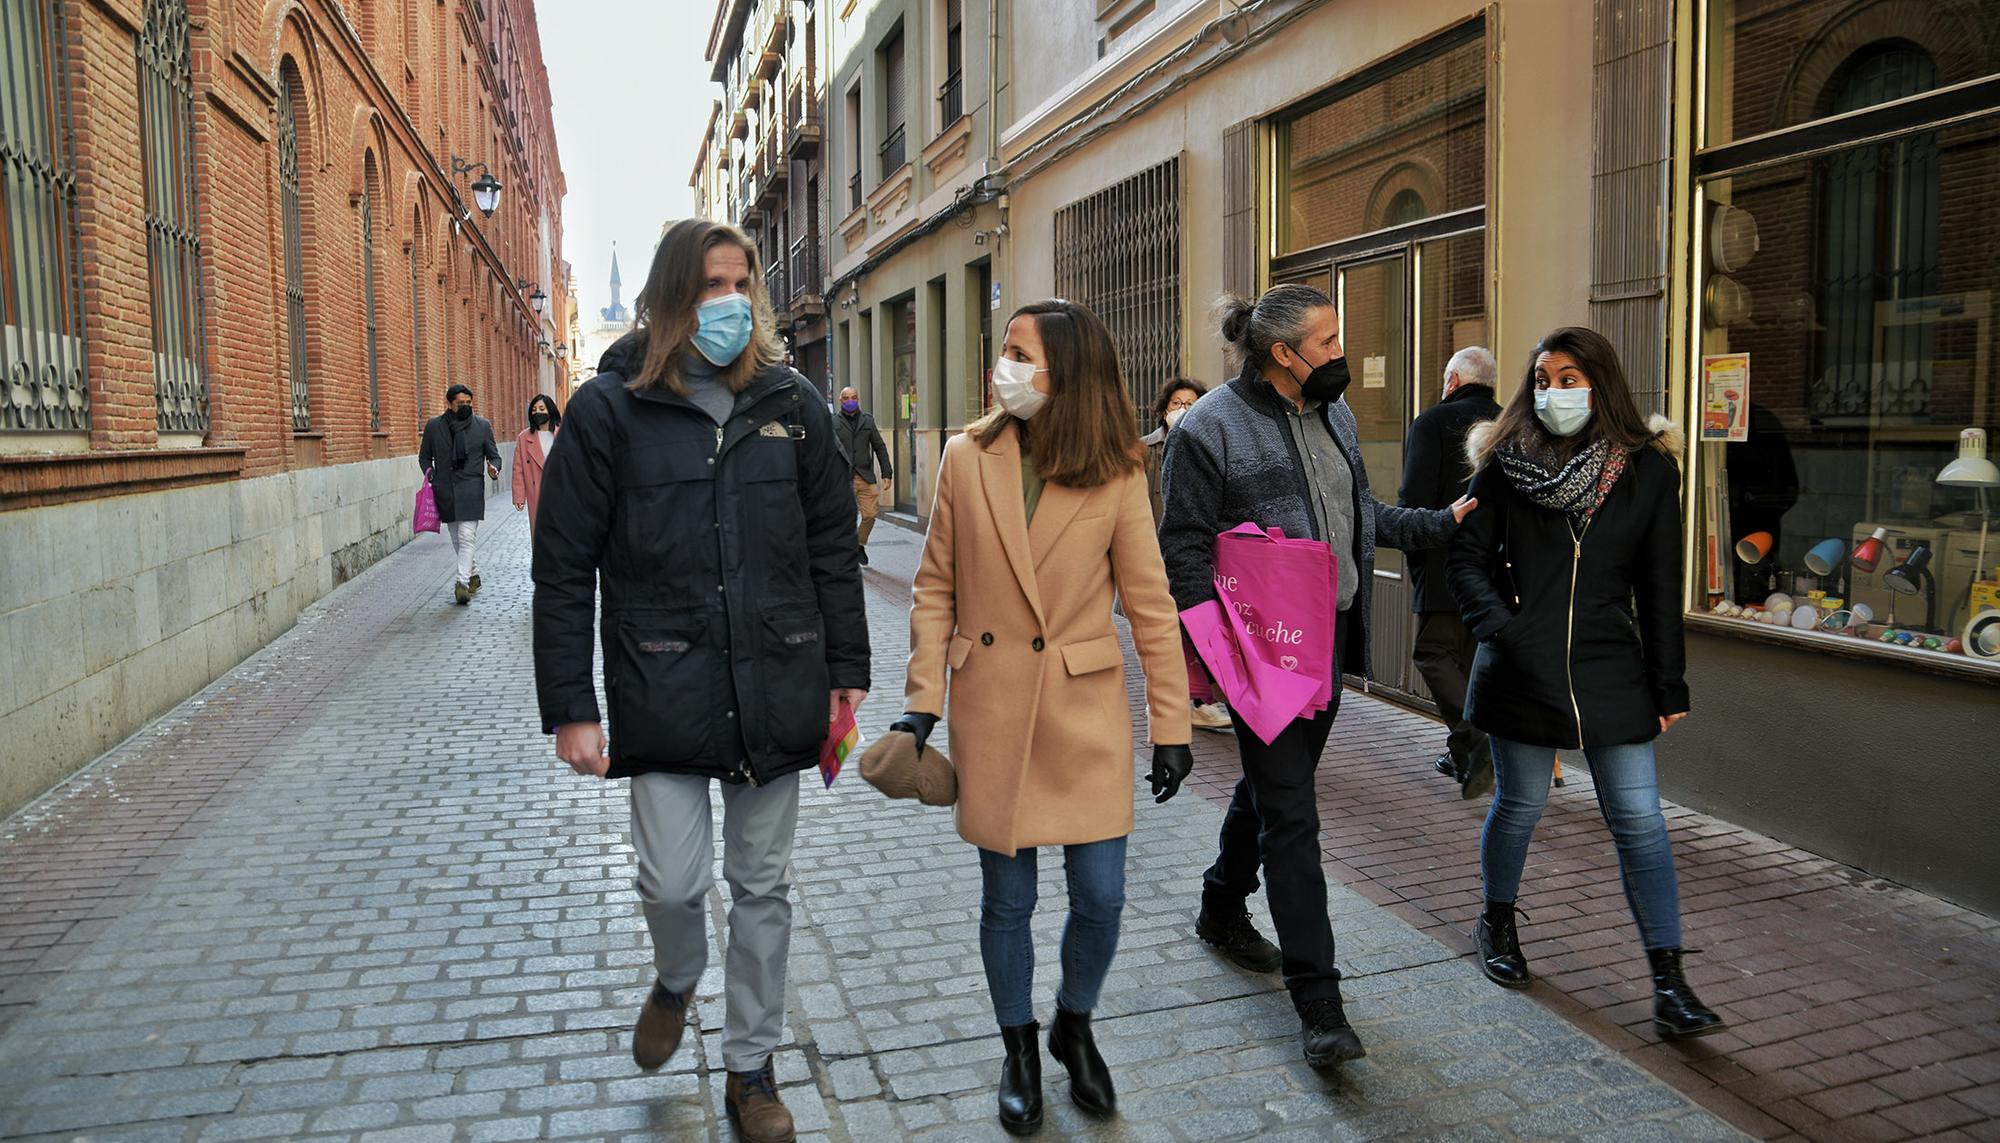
(455, 442)
(1435, 475)
(865, 446)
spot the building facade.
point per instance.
(1781, 211)
(246, 251)
(911, 130)
(760, 160)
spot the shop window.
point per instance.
(1390, 147)
(1775, 64)
(1848, 357)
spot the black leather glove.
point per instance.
(1171, 765)
(917, 725)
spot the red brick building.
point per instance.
(241, 243)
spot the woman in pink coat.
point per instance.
(531, 453)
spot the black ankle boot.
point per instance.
(1073, 1047)
(1021, 1080)
(1677, 1011)
(1499, 945)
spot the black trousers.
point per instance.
(1443, 656)
(1273, 821)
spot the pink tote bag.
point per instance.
(1285, 591)
(424, 515)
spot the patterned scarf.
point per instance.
(1576, 489)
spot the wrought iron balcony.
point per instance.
(894, 151)
(951, 99)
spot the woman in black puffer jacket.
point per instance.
(1569, 574)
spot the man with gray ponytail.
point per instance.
(1278, 447)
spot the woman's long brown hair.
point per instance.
(667, 303)
(1614, 414)
(1085, 435)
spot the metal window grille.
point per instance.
(295, 269)
(368, 309)
(41, 292)
(1631, 161)
(166, 116)
(1119, 253)
(417, 318)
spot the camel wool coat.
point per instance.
(1012, 625)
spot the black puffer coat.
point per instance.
(730, 576)
(1580, 641)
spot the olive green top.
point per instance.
(1031, 482)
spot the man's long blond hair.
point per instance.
(666, 307)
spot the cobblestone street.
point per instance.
(346, 892)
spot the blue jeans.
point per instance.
(1096, 873)
(1628, 794)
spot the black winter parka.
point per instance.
(1435, 474)
(728, 568)
(1580, 639)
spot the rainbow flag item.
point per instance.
(841, 740)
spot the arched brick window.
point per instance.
(291, 93)
(173, 240)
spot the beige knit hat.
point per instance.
(891, 764)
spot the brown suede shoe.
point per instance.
(661, 1022)
(755, 1109)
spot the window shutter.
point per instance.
(1239, 208)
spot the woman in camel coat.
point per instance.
(1042, 513)
(531, 453)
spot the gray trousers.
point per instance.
(671, 832)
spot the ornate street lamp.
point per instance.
(538, 300)
(485, 188)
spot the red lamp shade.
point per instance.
(1868, 554)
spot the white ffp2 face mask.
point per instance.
(1014, 387)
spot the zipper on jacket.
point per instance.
(749, 775)
(1569, 638)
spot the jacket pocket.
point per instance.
(657, 687)
(793, 681)
(960, 651)
(1093, 655)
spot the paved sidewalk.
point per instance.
(346, 893)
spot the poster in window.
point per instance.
(1725, 391)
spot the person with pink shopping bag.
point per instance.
(1278, 448)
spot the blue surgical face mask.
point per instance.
(725, 328)
(1563, 412)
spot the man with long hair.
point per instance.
(701, 491)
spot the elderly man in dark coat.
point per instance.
(455, 444)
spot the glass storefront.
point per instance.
(1847, 381)
(1381, 185)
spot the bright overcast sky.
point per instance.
(631, 98)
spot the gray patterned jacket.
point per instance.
(1231, 460)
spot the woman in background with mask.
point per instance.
(531, 453)
(1569, 575)
(1041, 513)
(1175, 399)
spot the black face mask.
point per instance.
(538, 419)
(1326, 382)
(463, 413)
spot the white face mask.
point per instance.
(1563, 412)
(1174, 417)
(1014, 387)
